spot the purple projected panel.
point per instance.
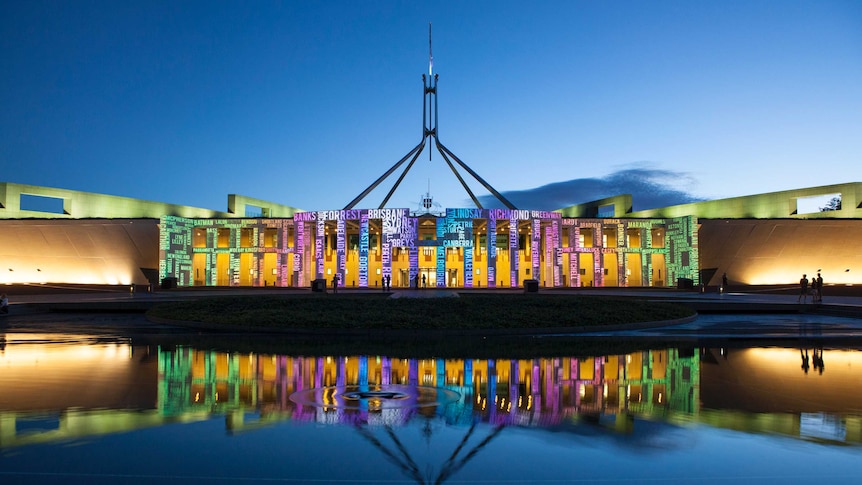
(284, 263)
(574, 270)
(535, 246)
(441, 253)
(297, 256)
(385, 256)
(301, 244)
(340, 254)
(413, 256)
(598, 264)
(552, 252)
(491, 241)
(363, 249)
(412, 233)
(468, 267)
(397, 232)
(318, 247)
(558, 252)
(513, 252)
(574, 255)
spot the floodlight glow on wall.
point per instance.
(69, 272)
(790, 276)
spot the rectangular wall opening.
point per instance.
(818, 203)
(256, 211)
(42, 203)
(606, 211)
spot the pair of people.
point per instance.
(4, 304)
(816, 289)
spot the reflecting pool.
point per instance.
(88, 409)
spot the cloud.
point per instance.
(650, 188)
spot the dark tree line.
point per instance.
(834, 204)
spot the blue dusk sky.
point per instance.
(553, 103)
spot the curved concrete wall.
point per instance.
(89, 251)
(779, 251)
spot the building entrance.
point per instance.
(427, 277)
(452, 278)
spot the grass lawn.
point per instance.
(377, 311)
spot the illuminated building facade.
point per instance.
(757, 240)
(450, 251)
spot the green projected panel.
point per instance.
(175, 243)
(226, 252)
(683, 257)
(610, 242)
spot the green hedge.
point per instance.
(376, 311)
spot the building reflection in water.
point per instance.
(69, 391)
(512, 392)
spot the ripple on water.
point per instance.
(374, 397)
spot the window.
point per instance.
(270, 237)
(586, 238)
(223, 237)
(246, 237)
(657, 236)
(199, 238)
(633, 238)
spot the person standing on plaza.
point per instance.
(335, 283)
(724, 283)
(803, 289)
(818, 288)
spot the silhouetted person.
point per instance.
(424, 282)
(4, 304)
(818, 288)
(724, 283)
(803, 289)
(818, 360)
(335, 283)
(804, 355)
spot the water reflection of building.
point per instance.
(76, 388)
(83, 388)
(769, 390)
(502, 391)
